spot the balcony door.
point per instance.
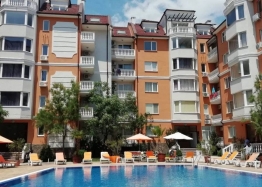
(124, 46)
(125, 66)
(125, 87)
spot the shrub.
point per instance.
(179, 153)
(219, 152)
(46, 153)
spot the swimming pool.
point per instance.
(129, 175)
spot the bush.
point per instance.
(81, 153)
(219, 152)
(179, 153)
(47, 153)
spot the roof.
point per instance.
(219, 27)
(140, 31)
(73, 9)
(125, 29)
(103, 19)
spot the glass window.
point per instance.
(248, 95)
(241, 14)
(150, 46)
(227, 82)
(203, 67)
(27, 72)
(231, 17)
(246, 70)
(243, 39)
(202, 48)
(185, 63)
(44, 49)
(177, 106)
(42, 101)
(30, 20)
(238, 100)
(185, 43)
(43, 75)
(12, 70)
(187, 84)
(46, 25)
(152, 108)
(174, 43)
(40, 131)
(229, 107)
(10, 98)
(149, 131)
(28, 45)
(231, 132)
(223, 37)
(175, 63)
(188, 107)
(14, 43)
(151, 87)
(260, 32)
(25, 99)
(150, 66)
(15, 17)
(204, 88)
(206, 111)
(225, 58)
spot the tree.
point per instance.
(256, 111)
(158, 132)
(3, 114)
(60, 111)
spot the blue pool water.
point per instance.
(151, 176)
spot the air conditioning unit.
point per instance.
(208, 121)
(204, 74)
(42, 84)
(43, 57)
(219, 106)
(259, 45)
(256, 17)
(85, 76)
(207, 116)
(205, 94)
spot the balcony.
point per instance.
(18, 112)
(242, 112)
(182, 30)
(19, 3)
(123, 94)
(128, 54)
(212, 56)
(86, 86)
(216, 119)
(186, 118)
(215, 98)
(213, 76)
(86, 112)
(124, 75)
(87, 64)
(88, 41)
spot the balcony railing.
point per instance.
(123, 52)
(215, 95)
(212, 53)
(182, 30)
(216, 117)
(86, 112)
(87, 36)
(20, 3)
(124, 73)
(86, 85)
(123, 94)
(87, 60)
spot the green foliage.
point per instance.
(219, 152)
(179, 153)
(46, 153)
(3, 114)
(61, 110)
(80, 153)
(214, 139)
(16, 146)
(114, 146)
(158, 132)
(238, 144)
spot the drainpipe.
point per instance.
(107, 76)
(166, 23)
(136, 61)
(78, 60)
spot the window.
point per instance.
(28, 45)
(147, 29)
(151, 66)
(124, 46)
(238, 100)
(40, 131)
(121, 32)
(241, 14)
(204, 88)
(46, 25)
(236, 14)
(185, 85)
(203, 67)
(186, 107)
(14, 43)
(243, 39)
(184, 63)
(184, 43)
(12, 70)
(10, 98)
(151, 87)
(245, 65)
(231, 132)
(223, 36)
(30, 20)
(260, 32)
(248, 95)
(202, 48)
(27, 72)
(206, 111)
(25, 99)
(149, 131)
(229, 107)
(44, 49)
(44, 75)
(42, 101)
(225, 58)
(14, 17)
(227, 82)
(240, 69)
(150, 46)
(203, 32)
(95, 19)
(152, 108)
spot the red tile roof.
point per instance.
(116, 34)
(104, 20)
(72, 9)
(140, 31)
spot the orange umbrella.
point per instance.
(5, 140)
(139, 137)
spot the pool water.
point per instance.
(132, 176)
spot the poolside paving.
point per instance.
(23, 169)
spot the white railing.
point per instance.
(87, 60)
(212, 53)
(86, 85)
(213, 74)
(88, 36)
(229, 148)
(20, 3)
(217, 116)
(123, 52)
(256, 147)
(215, 96)
(181, 30)
(124, 73)
(123, 94)
(86, 112)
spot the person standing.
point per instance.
(248, 150)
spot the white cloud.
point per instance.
(153, 9)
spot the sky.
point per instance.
(121, 11)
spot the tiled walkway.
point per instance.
(6, 173)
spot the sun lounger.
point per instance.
(189, 155)
(223, 157)
(231, 159)
(33, 159)
(5, 163)
(128, 157)
(87, 158)
(105, 157)
(252, 161)
(150, 156)
(59, 158)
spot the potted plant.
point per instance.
(205, 151)
(158, 132)
(17, 146)
(115, 147)
(78, 156)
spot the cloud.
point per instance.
(153, 10)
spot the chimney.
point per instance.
(133, 20)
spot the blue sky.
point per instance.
(122, 10)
